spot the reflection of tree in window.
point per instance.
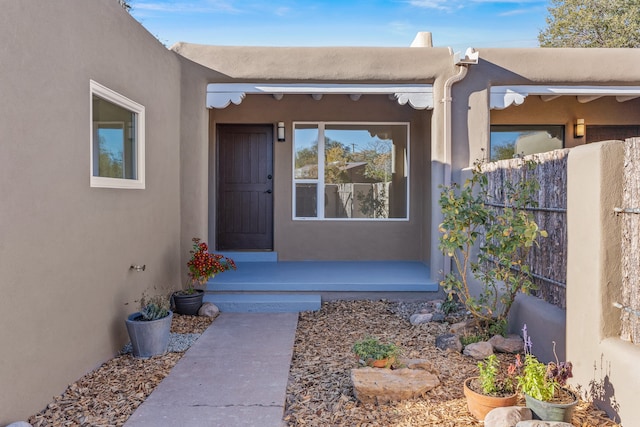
(110, 158)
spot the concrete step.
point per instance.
(326, 276)
(264, 302)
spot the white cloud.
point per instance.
(400, 27)
(431, 4)
(210, 6)
(282, 11)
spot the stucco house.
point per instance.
(116, 151)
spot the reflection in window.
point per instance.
(508, 141)
(360, 168)
(117, 140)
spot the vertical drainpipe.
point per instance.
(447, 131)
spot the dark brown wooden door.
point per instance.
(245, 187)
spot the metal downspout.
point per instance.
(462, 72)
(447, 157)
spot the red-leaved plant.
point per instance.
(204, 265)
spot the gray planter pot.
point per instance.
(148, 337)
(188, 304)
(547, 411)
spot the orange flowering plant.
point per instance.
(204, 265)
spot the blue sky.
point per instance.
(455, 23)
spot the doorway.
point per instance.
(244, 210)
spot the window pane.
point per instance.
(509, 140)
(114, 132)
(306, 152)
(364, 175)
(306, 200)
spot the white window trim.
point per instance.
(109, 95)
(320, 182)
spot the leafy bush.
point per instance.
(489, 243)
(371, 348)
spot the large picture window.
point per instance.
(510, 140)
(350, 171)
(117, 140)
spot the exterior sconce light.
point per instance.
(578, 129)
(280, 131)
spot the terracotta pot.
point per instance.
(381, 363)
(480, 404)
(549, 411)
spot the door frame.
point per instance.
(215, 182)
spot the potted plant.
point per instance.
(488, 244)
(149, 328)
(543, 386)
(491, 389)
(203, 266)
(371, 352)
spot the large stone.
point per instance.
(449, 342)
(538, 423)
(20, 424)
(478, 350)
(511, 344)
(375, 385)
(419, 318)
(208, 309)
(507, 416)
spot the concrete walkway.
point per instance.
(235, 374)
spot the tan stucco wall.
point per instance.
(537, 66)
(338, 240)
(335, 240)
(66, 248)
(318, 64)
(600, 358)
(565, 110)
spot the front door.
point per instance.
(245, 187)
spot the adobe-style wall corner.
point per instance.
(605, 367)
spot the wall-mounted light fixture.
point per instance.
(280, 131)
(578, 129)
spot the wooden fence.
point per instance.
(629, 214)
(548, 260)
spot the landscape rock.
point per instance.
(507, 416)
(438, 317)
(20, 424)
(209, 309)
(375, 385)
(463, 327)
(423, 364)
(478, 350)
(538, 423)
(419, 318)
(449, 342)
(511, 344)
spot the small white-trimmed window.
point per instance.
(117, 140)
(351, 171)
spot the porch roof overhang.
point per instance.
(418, 96)
(504, 96)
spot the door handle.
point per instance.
(268, 191)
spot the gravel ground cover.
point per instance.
(109, 395)
(320, 391)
